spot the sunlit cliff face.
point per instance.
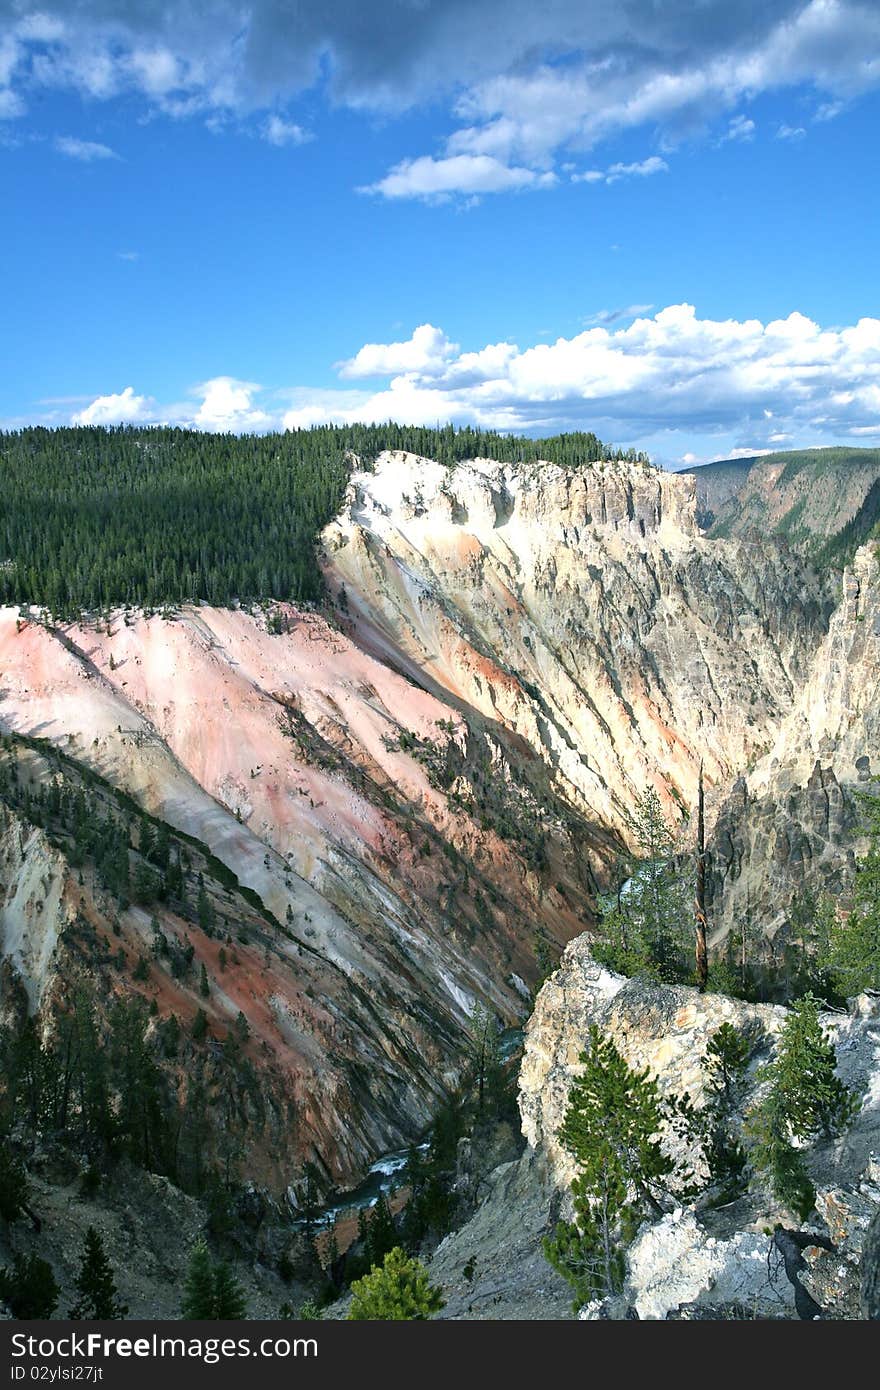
(583, 611)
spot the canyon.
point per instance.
(403, 803)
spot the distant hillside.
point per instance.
(825, 502)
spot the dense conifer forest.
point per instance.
(93, 517)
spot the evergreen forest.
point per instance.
(93, 517)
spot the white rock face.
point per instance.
(675, 1262)
(35, 907)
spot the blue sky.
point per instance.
(581, 215)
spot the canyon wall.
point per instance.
(418, 794)
(581, 611)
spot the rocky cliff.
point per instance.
(791, 823)
(423, 788)
(580, 611)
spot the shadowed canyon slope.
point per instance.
(825, 502)
(399, 800)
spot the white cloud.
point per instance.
(436, 180)
(828, 111)
(788, 132)
(641, 170)
(122, 409)
(741, 129)
(426, 352)
(128, 255)
(156, 71)
(521, 113)
(772, 381)
(763, 385)
(276, 131)
(85, 150)
(227, 405)
(606, 316)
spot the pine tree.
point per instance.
(804, 1098)
(204, 987)
(611, 1127)
(727, 1057)
(646, 930)
(808, 1094)
(145, 884)
(484, 1055)
(198, 1297)
(773, 1154)
(229, 1299)
(381, 1235)
(211, 1291)
(363, 1229)
(98, 1299)
(205, 910)
(14, 1186)
(29, 1287)
(397, 1291)
(725, 1064)
(853, 951)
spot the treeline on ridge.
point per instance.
(99, 517)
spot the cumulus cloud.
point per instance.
(764, 385)
(223, 404)
(528, 85)
(426, 352)
(435, 180)
(790, 132)
(125, 408)
(227, 405)
(87, 151)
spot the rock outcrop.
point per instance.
(664, 1028)
(696, 1260)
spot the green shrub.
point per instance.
(397, 1291)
